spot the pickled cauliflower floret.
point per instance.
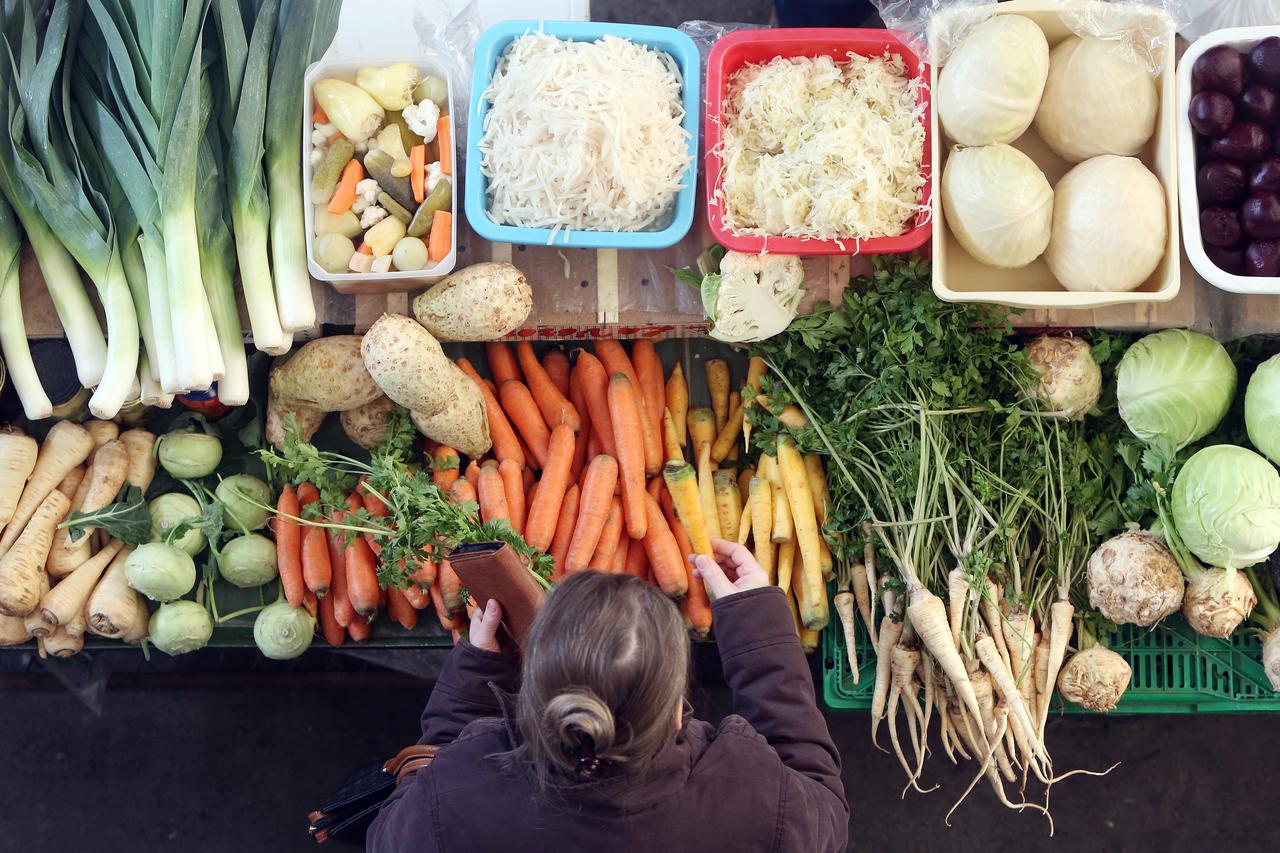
(421, 119)
(322, 134)
(434, 175)
(366, 195)
(753, 297)
(371, 217)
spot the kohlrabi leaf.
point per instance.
(127, 519)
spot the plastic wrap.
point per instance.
(1204, 16)
(453, 42)
(943, 23)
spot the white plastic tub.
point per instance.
(388, 282)
(1242, 39)
(958, 277)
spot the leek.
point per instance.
(61, 277)
(305, 30)
(13, 333)
(243, 110)
(75, 211)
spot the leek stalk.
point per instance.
(13, 332)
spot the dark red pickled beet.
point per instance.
(1263, 258)
(1245, 142)
(1259, 103)
(1220, 69)
(1220, 226)
(1264, 61)
(1212, 113)
(1221, 182)
(1266, 176)
(1228, 260)
(1261, 216)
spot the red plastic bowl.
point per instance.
(737, 49)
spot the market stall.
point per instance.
(892, 314)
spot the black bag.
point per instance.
(348, 813)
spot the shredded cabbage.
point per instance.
(583, 135)
(816, 149)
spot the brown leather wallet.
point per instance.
(494, 570)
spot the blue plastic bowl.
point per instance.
(491, 45)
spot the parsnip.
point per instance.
(107, 474)
(71, 482)
(65, 601)
(13, 631)
(22, 566)
(18, 454)
(844, 608)
(60, 644)
(112, 604)
(140, 445)
(66, 446)
(102, 431)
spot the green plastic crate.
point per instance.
(1175, 671)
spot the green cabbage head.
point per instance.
(1174, 387)
(1226, 506)
(1262, 408)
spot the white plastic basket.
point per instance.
(1240, 38)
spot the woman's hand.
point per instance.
(733, 570)
(484, 626)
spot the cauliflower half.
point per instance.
(753, 297)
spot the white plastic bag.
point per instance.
(1209, 15)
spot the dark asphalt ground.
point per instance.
(229, 753)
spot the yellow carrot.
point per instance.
(707, 491)
(744, 522)
(786, 565)
(761, 502)
(702, 429)
(744, 483)
(728, 504)
(810, 592)
(671, 443)
(727, 439)
(817, 486)
(683, 486)
(678, 401)
(783, 530)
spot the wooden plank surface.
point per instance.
(639, 295)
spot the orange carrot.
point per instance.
(418, 597)
(544, 507)
(555, 407)
(400, 610)
(523, 412)
(447, 467)
(595, 388)
(362, 574)
(319, 116)
(364, 248)
(665, 556)
(334, 633)
(493, 496)
(289, 545)
(502, 362)
(473, 472)
(373, 504)
(359, 629)
(342, 609)
(620, 555)
(583, 441)
(624, 409)
(418, 172)
(444, 140)
(610, 536)
(513, 485)
(653, 394)
(317, 572)
(556, 364)
(448, 621)
(564, 530)
(307, 495)
(464, 491)
(311, 603)
(441, 236)
(595, 500)
(344, 195)
(638, 559)
(505, 444)
(615, 360)
(451, 588)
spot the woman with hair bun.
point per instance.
(586, 742)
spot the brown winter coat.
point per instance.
(766, 779)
